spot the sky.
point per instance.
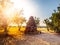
(39, 8)
(44, 8)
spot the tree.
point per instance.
(31, 25)
(46, 21)
(37, 20)
(54, 21)
(3, 18)
(19, 20)
(3, 23)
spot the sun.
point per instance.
(27, 7)
(16, 6)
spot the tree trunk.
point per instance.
(19, 27)
(47, 28)
(5, 31)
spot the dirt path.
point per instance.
(40, 39)
(50, 38)
(31, 40)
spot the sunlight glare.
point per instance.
(27, 7)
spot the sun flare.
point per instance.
(27, 8)
(15, 6)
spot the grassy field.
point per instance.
(45, 30)
(40, 39)
(14, 30)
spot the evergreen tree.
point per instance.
(31, 26)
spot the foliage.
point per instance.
(31, 25)
(19, 20)
(54, 21)
(3, 18)
(47, 23)
(37, 21)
